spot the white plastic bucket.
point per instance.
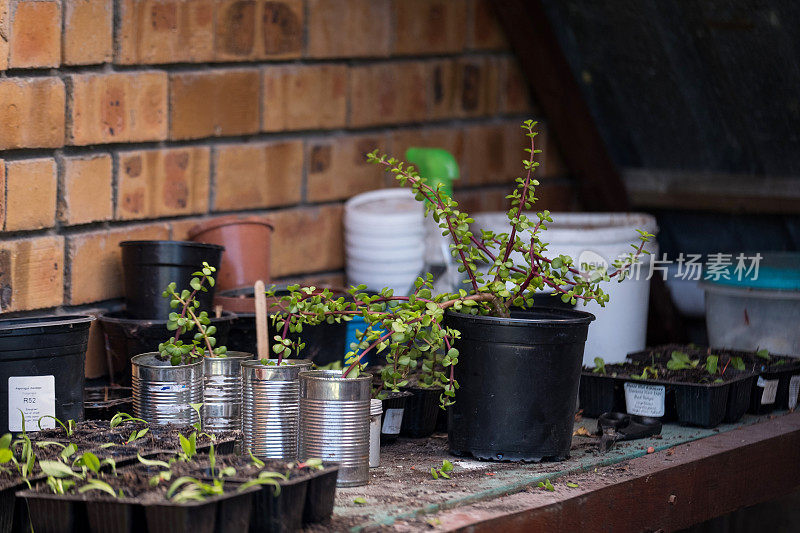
(621, 325)
(390, 209)
(411, 254)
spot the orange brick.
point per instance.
(493, 153)
(478, 85)
(165, 31)
(31, 113)
(259, 30)
(2, 194)
(179, 229)
(338, 167)
(35, 35)
(5, 26)
(220, 102)
(31, 273)
(388, 93)
(552, 162)
(85, 189)
(429, 26)
(129, 107)
(95, 272)
(88, 31)
(485, 32)
(307, 239)
(292, 94)
(31, 186)
(443, 89)
(348, 28)
(258, 175)
(515, 95)
(168, 182)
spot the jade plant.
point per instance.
(409, 329)
(190, 318)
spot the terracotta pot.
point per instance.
(246, 241)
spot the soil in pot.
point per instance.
(127, 337)
(247, 246)
(518, 381)
(42, 364)
(149, 266)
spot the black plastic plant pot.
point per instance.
(600, 394)
(441, 420)
(739, 397)
(127, 337)
(281, 512)
(13, 510)
(701, 404)
(149, 266)
(421, 411)
(771, 381)
(228, 513)
(41, 364)
(320, 495)
(518, 381)
(392, 416)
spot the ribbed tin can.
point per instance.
(334, 422)
(271, 408)
(162, 392)
(222, 392)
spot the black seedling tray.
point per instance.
(70, 513)
(695, 404)
(320, 495)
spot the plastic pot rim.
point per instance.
(577, 318)
(230, 220)
(13, 326)
(190, 244)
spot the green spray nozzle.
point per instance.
(436, 165)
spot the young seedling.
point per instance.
(599, 366)
(175, 350)
(193, 489)
(135, 435)
(443, 471)
(265, 477)
(546, 485)
(69, 427)
(681, 361)
(123, 418)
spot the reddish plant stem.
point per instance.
(370, 347)
(522, 201)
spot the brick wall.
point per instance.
(134, 119)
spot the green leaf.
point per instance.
(56, 469)
(5, 455)
(447, 466)
(360, 501)
(151, 462)
(572, 485)
(5, 441)
(96, 484)
(763, 354)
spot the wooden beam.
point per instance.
(665, 491)
(712, 191)
(557, 93)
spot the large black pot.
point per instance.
(518, 381)
(126, 337)
(149, 266)
(42, 360)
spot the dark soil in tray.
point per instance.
(752, 361)
(690, 375)
(94, 433)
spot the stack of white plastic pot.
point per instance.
(384, 239)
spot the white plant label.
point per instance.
(645, 400)
(770, 387)
(794, 389)
(35, 396)
(392, 421)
